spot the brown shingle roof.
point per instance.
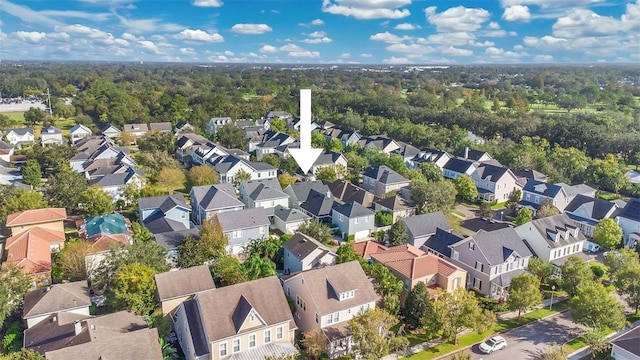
(174, 284)
(217, 306)
(59, 297)
(38, 216)
(301, 245)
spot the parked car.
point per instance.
(591, 246)
(492, 344)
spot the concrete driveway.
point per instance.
(525, 341)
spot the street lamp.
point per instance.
(501, 212)
(553, 288)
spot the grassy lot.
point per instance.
(607, 196)
(498, 206)
(16, 118)
(458, 213)
(579, 342)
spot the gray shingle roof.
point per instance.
(301, 245)
(318, 204)
(184, 282)
(395, 203)
(249, 186)
(542, 188)
(385, 175)
(458, 165)
(217, 196)
(631, 210)
(21, 131)
(50, 130)
(597, 208)
(498, 245)
(287, 215)
(327, 158)
(264, 192)
(630, 341)
(303, 188)
(426, 224)
(441, 240)
(58, 297)
(353, 210)
(164, 202)
(552, 224)
(346, 192)
(162, 126)
(243, 219)
(491, 172)
(171, 240)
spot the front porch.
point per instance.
(338, 340)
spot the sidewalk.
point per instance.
(581, 353)
(506, 316)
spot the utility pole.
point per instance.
(49, 101)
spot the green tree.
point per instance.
(451, 312)
(227, 270)
(231, 136)
(18, 200)
(23, 354)
(554, 352)
(317, 230)
(607, 233)
(171, 179)
(624, 270)
(157, 141)
(326, 174)
(31, 173)
(398, 233)
(485, 210)
(34, 116)
(203, 175)
(514, 197)
(286, 179)
(524, 293)
(524, 216)
(257, 267)
(431, 172)
(416, 305)
(466, 187)
(314, 343)
(240, 177)
(65, 188)
(154, 161)
(547, 209)
(72, 259)
(383, 218)
(597, 341)
(211, 243)
(608, 173)
(140, 233)
(386, 282)
(133, 288)
(347, 253)
(575, 273)
(372, 336)
(594, 307)
(335, 146)
(541, 269)
(14, 284)
(12, 341)
(432, 196)
(96, 201)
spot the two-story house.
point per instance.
(345, 192)
(302, 252)
(381, 180)
(109, 131)
(492, 260)
(161, 127)
(346, 137)
(553, 238)
(207, 200)
(319, 206)
(288, 220)
(6, 151)
(455, 167)
(20, 136)
(586, 212)
(215, 123)
(412, 266)
(161, 214)
(494, 183)
(327, 298)
(242, 226)
(421, 227)
(73, 298)
(51, 135)
(251, 320)
(535, 192)
(264, 194)
(136, 130)
(229, 166)
(380, 143)
(79, 132)
(331, 160)
(397, 206)
(299, 192)
(177, 286)
(353, 219)
(629, 220)
(434, 156)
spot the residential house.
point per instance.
(408, 153)
(282, 115)
(412, 266)
(526, 174)
(6, 151)
(116, 184)
(265, 194)
(103, 232)
(440, 243)
(229, 166)
(553, 238)
(578, 189)
(474, 155)
(165, 213)
(288, 220)
(470, 227)
(120, 335)
(380, 143)
(327, 298)
(421, 227)
(535, 192)
(136, 130)
(201, 152)
(455, 167)
(35, 234)
(302, 252)
(214, 124)
(381, 180)
(299, 191)
(346, 137)
(250, 320)
(18, 137)
(51, 135)
(492, 260)
(494, 183)
(175, 287)
(270, 141)
(73, 297)
(79, 132)
(629, 220)
(626, 346)
(397, 206)
(185, 141)
(183, 126)
(586, 212)
(111, 131)
(368, 248)
(161, 127)
(434, 156)
(172, 240)
(330, 159)
(345, 192)
(353, 220)
(11, 176)
(242, 226)
(319, 206)
(208, 200)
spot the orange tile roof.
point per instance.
(104, 242)
(31, 249)
(414, 263)
(36, 216)
(366, 248)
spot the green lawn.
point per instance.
(461, 214)
(607, 196)
(579, 342)
(16, 118)
(498, 206)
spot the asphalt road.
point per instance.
(527, 340)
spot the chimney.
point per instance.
(77, 327)
(329, 194)
(466, 152)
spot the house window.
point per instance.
(317, 318)
(527, 197)
(261, 230)
(366, 219)
(236, 345)
(340, 218)
(456, 283)
(267, 336)
(478, 266)
(223, 349)
(537, 201)
(252, 340)
(477, 283)
(471, 245)
(279, 333)
(237, 234)
(183, 215)
(356, 221)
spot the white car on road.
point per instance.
(492, 344)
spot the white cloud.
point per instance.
(62, 36)
(453, 51)
(345, 56)
(324, 40)
(493, 25)
(318, 34)
(291, 47)
(501, 53)
(407, 26)
(551, 3)
(457, 18)
(631, 19)
(207, 3)
(366, 55)
(543, 42)
(188, 51)
(199, 36)
(583, 22)
(219, 59)
(268, 49)
(397, 60)
(148, 25)
(543, 58)
(517, 13)
(30, 36)
(128, 36)
(74, 14)
(229, 53)
(251, 29)
(456, 38)
(389, 38)
(315, 22)
(27, 15)
(304, 54)
(410, 48)
(149, 46)
(367, 9)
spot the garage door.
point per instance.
(362, 234)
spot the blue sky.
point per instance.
(322, 31)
